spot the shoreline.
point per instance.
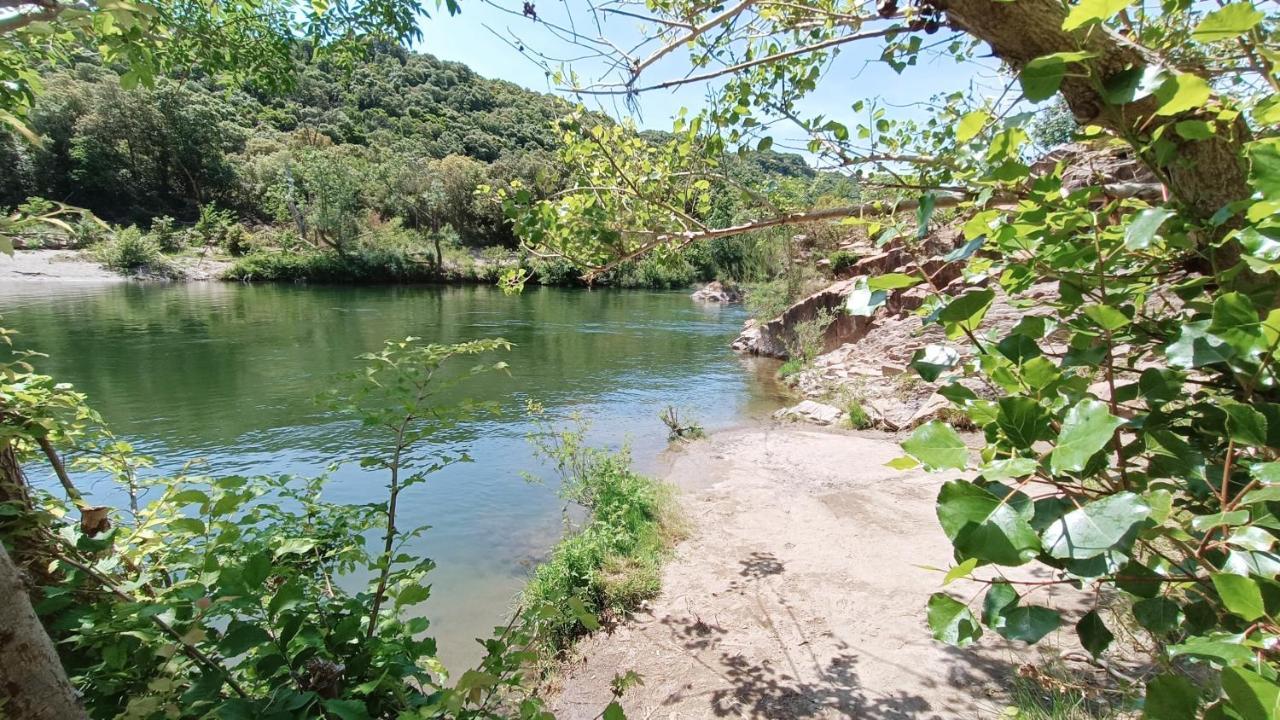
(799, 592)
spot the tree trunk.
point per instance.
(1202, 174)
(33, 685)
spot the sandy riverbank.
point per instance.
(799, 594)
(78, 266)
(68, 265)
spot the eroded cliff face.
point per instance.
(866, 359)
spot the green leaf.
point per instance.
(241, 637)
(1106, 316)
(1095, 528)
(1252, 696)
(1001, 597)
(192, 526)
(863, 300)
(982, 526)
(1143, 226)
(287, 597)
(932, 360)
(937, 447)
(1093, 633)
(960, 571)
(1009, 468)
(614, 712)
(903, 463)
(1090, 11)
(1196, 347)
(583, 615)
(1226, 649)
(1240, 595)
(1182, 92)
(1264, 167)
(1023, 421)
(951, 621)
(1245, 425)
(1171, 697)
(968, 310)
(412, 595)
(347, 709)
(1159, 615)
(1228, 22)
(893, 281)
(1086, 429)
(1132, 84)
(971, 124)
(764, 144)
(1194, 129)
(1029, 624)
(294, 546)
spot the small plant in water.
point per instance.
(681, 428)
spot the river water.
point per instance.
(226, 375)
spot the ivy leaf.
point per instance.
(1226, 23)
(1089, 11)
(1171, 697)
(1095, 528)
(937, 447)
(1029, 624)
(1245, 425)
(1022, 420)
(1182, 92)
(951, 621)
(1094, 635)
(1196, 347)
(1240, 594)
(1143, 226)
(981, 525)
(1087, 428)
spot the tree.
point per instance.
(1129, 435)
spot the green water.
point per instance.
(227, 373)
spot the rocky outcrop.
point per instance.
(771, 338)
(717, 292)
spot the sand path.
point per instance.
(799, 594)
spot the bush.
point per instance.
(789, 368)
(842, 260)
(807, 337)
(168, 238)
(87, 232)
(653, 271)
(363, 265)
(129, 249)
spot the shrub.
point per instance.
(859, 419)
(168, 238)
(842, 260)
(789, 368)
(129, 249)
(807, 337)
(87, 232)
(613, 562)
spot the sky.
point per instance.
(474, 38)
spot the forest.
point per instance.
(365, 170)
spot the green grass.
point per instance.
(1033, 700)
(858, 417)
(790, 367)
(614, 562)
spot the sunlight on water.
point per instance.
(226, 375)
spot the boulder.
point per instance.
(717, 292)
(811, 411)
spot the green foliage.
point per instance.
(791, 367)
(129, 249)
(808, 336)
(230, 596)
(859, 419)
(842, 260)
(612, 563)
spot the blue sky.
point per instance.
(473, 38)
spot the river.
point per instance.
(226, 375)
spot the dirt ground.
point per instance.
(800, 593)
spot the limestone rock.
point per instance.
(717, 292)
